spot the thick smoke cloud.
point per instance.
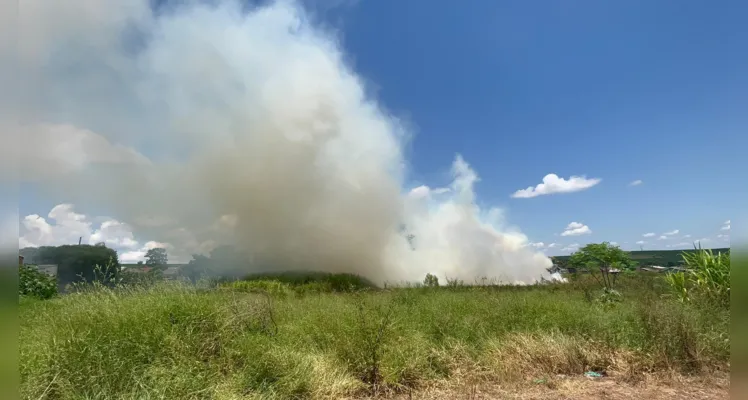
(218, 124)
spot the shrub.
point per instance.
(431, 281)
(707, 278)
(34, 283)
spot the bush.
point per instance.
(79, 263)
(431, 281)
(34, 283)
(175, 341)
(707, 278)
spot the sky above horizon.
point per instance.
(585, 121)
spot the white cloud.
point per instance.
(114, 234)
(640, 242)
(636, 182)
(679, 245)
(726, 225)
(671, 233)
(614, 243)
(133, 256)
(552, 183)
(537, 245)
(571, 248)
(723, 236)
(649, 234)
(552, 245)
(663, 237)
(686, 236)
(66, 226)
(576, 229)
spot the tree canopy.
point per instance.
(602, 255)
(156, 257)
(77, 262)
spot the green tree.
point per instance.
(431, 280)
(157, 257)
(80, 263)
(603, 256)
(198, 267)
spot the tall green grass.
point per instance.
(707, 278)
(249, 340)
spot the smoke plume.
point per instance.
(209, 124)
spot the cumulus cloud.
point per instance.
(649, 234)
(671, 233)
(133, 256)
(640, 242)
(636, 182)
(686, 236)
(663, 237)
(174, 121)
(571, 248)
(726, 225)
(66, 226)
(552, 183)
(576, 229)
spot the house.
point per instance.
(139, 269)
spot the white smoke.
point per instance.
(252, 130)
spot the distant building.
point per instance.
(20, 260)
(140, 269)
(172, 272)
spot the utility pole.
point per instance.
(79, 240)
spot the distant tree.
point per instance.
(223, 261)
(431, 280)
(157, 257)
(80, 263)
(603, 256)
(198, 267)
(140, 263)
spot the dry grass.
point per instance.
(566, 388)
(180, 342)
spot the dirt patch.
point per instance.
(582, 389)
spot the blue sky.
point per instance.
(655, 91)
(648, 90)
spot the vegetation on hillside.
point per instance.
(664, 258)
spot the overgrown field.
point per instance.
(275, 338)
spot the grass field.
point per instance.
(292, 338)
